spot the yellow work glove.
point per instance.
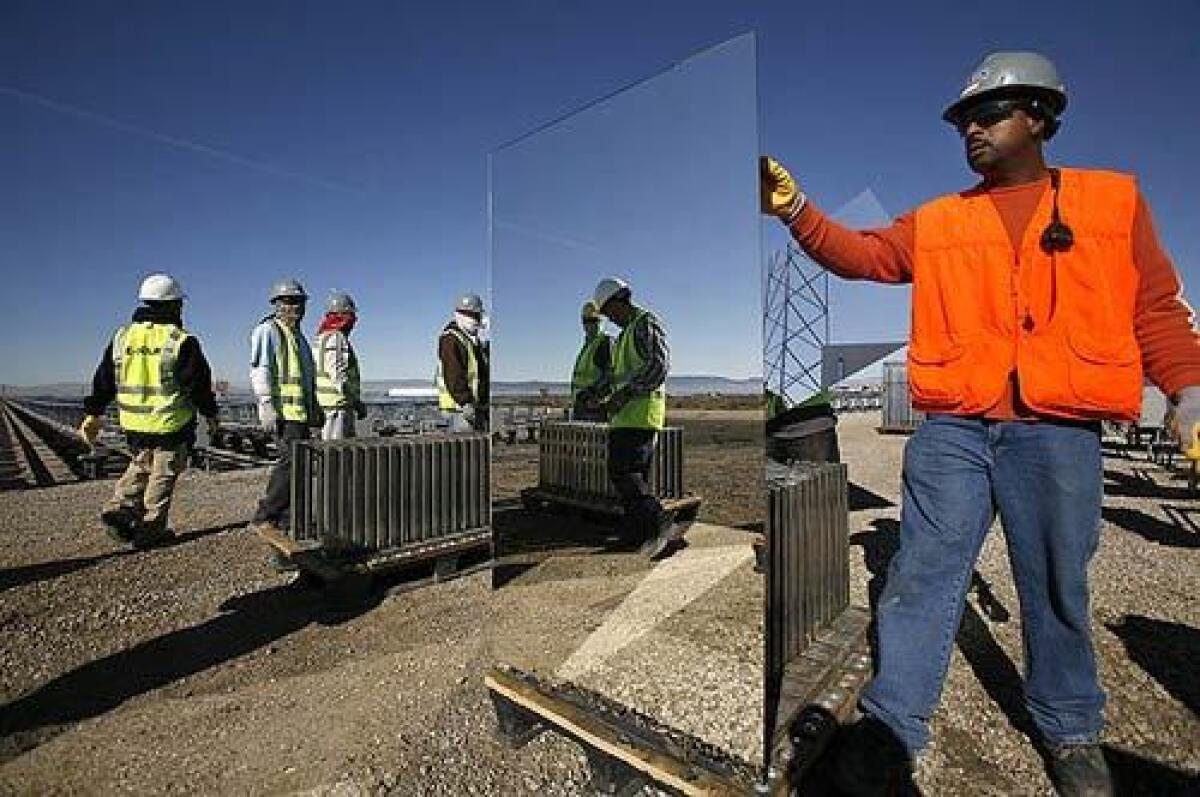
(89, 430)
(1186, 421)
(779, 194)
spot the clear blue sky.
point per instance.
(233, 143)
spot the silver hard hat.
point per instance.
(609, 288)
(469, 303)
(1021, 74)
(339, 302)
(288, 288)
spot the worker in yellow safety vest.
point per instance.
(463, 377)
(155, 371)
(339, 384)
(635, 402)
(593, 367)
(283, 378)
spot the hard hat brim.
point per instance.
(1055, 99)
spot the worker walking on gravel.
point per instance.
(1039, 297)
(339, 386)
(464, 371)
(593, 367)
(158, 375)
(635, 403)
(283, 378)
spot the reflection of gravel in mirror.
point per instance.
(700, 670)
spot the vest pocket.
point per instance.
(935, 375)
(1105, 375)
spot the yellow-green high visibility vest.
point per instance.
(586, 372)
(640, 412)
(287, 378)
(329, 395)
(148, 398)
(445, 400)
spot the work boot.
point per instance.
(1079, 770)
(148, 535)
(120, 524)
(661, 539)
(871, 761)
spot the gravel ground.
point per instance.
(196, 669)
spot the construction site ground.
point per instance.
(194, 668)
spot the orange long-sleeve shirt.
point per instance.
(1163, 322)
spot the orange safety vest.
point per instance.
(1063, 321)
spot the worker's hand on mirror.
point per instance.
(89, 430)
(267, 415)
(1185, 422)
(212, 426)
(360, 410)
(779, 194)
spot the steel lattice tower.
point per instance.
(795, 324)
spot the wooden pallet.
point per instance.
(685, 508)
(621, 761)
(446, 554)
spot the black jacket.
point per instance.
(192, 374)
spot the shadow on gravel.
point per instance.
(1167, 651)
(247, 623)
(1163, 532)
(1135, 776)
(1141, 484)
(44, 571)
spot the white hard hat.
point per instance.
(161, 288)
(469, 303)
(609, 288)
(339, 302)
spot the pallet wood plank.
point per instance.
(599, 735)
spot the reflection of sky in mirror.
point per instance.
(657, 184)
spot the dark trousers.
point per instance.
(630, 452)
(277, 500)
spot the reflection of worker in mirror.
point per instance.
(464, 373)
(1039, 295)
(593, 367)
(339, 385)
(158, 375)
(635, 403)
(283, 378)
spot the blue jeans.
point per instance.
(1045, 479)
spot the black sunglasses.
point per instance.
(986, 114)
(290, 300)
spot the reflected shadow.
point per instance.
(1167, 651)
(860, 498)
(45, 571)
(247, 622)
(1151, 528)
